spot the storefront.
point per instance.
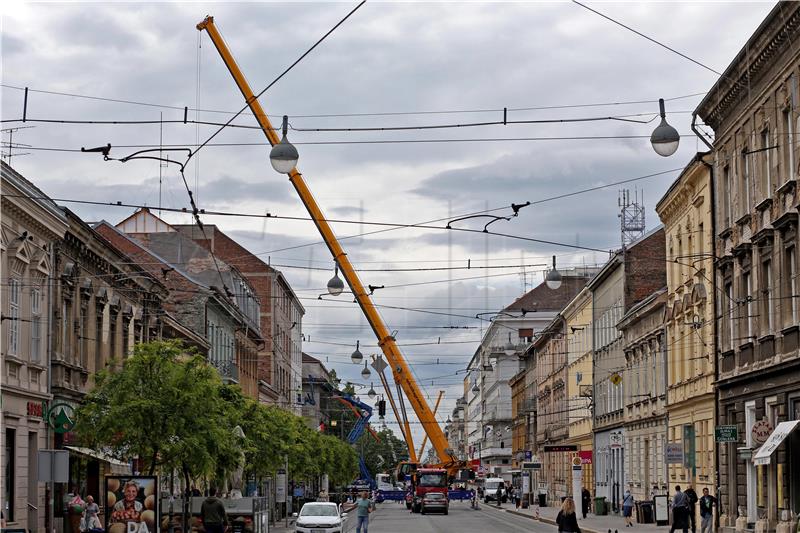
(766, 414)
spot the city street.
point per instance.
(391, 518)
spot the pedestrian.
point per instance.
(707, 503)
(75, 508)
(680, 511)
(499, 495)
(691, 495)
(566, 520)
(586, 501)
(213, 514)
(364, 508)
(90, 519)
(627, 508)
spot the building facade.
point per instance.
(578, 329)
(552, 427)
(645, 396)
(31, 228)
(280, 366)
(753, 111)
(503, 352)
(631, 275)
(686, 211)
(227, 322)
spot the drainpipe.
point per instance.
(50, 486)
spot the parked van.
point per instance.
(490, 489)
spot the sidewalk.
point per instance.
(591, 524)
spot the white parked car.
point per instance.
(320, 517)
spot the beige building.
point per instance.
(31, 226)
(578, 317)
(645, 396)
(685, 211)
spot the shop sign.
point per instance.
(37, 409)
(761, 431)
(560, 447)
(280, 486)
(532, 466)
(61, 417)
(689, 449)
(674, 453)
(586, 457)
(726, 434)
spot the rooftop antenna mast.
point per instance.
(631, 216)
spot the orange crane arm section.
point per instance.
(401, 371)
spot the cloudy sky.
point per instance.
(390, 65)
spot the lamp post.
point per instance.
(665, 138)
(356, 357)
(553, 277)
(335, 284)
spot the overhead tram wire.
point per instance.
(425, 225)
(361, 114)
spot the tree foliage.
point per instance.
(383, 455)
(169, 408)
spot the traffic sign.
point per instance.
(726, 434)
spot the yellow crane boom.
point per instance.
(400, 369)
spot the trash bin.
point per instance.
(600, 506)
(542, 500)
(646, 515)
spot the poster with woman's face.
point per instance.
(131, 504)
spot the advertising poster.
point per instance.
(131, 504)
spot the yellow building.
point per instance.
(685, 211)
(578, 317)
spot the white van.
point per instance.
(490, 486)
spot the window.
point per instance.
(729, 297)
(98, 341)
(14, 288)
(788, 145)
(747, 287)
(766, 164)
(767, 296)
(700, 242)
(745, 182)
(726, 195)
(36, 325)
(791, 286)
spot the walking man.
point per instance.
(364, 507)
(212, 511)
(707, 503)
(586, 500)
(691, 495)
(680, 510)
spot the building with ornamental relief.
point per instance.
(31, 227)
(686, 211)
(754, 112)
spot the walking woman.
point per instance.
(567, 520)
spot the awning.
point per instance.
(117, 466)
(762, 456)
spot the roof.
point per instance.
(543, 298)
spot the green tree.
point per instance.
(384, 454)
(165, 406)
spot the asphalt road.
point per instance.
(393, 518)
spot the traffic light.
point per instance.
(381, 407)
